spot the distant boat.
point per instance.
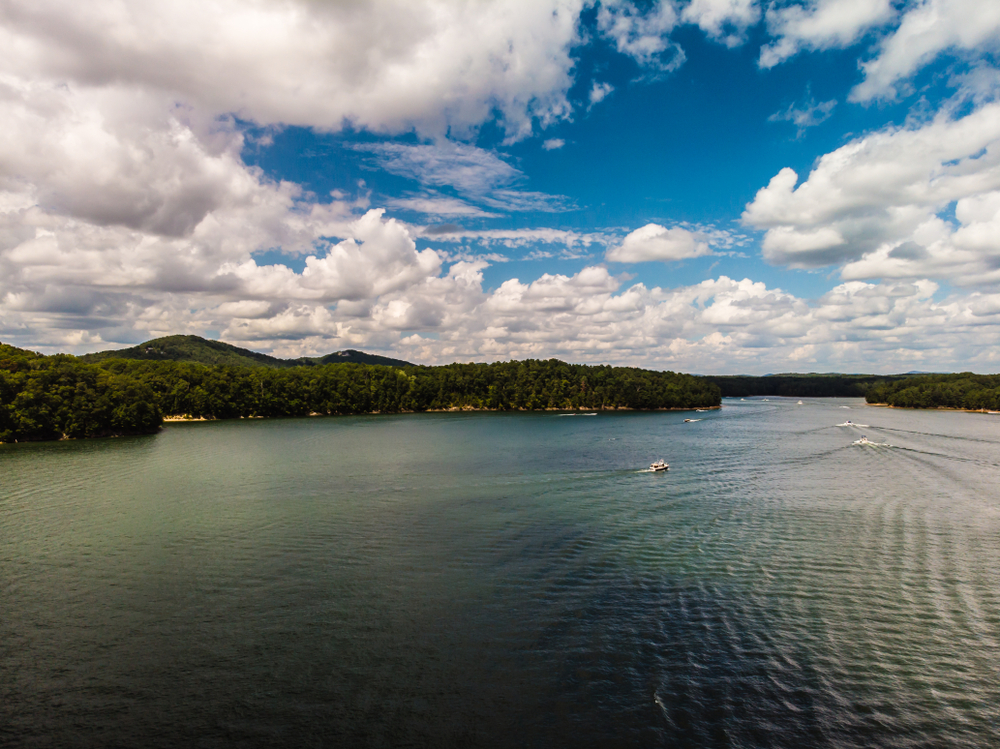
(691, 421)
(800, 403)
(658, 466)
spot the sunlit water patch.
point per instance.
(508, 580)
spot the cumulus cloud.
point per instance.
(879, 205)
(655, 242)
(374, 289)
(390, 66)
(553, 143)
(721, 325)
(927, 30)
(126, 210)
(819, 25)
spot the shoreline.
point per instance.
(184, 419)
(985, 411)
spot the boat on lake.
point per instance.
(658, 466)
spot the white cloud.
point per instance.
(126, 210)
(388, 66)
(642, 36)
(819, 25)
(725, 20)
(655, 242)
(599, 91)
(553, 143)
(880, 204)
(927, 30)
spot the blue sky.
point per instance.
(710, 186)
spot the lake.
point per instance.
(508, 580)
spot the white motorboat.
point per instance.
(658, 466)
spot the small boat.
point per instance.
(691, 421)
(800, 403)
(658, 466)
(863, 441)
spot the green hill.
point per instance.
(352, 356)
(197, 350)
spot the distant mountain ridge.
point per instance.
(198, 350)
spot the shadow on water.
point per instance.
(643, 664)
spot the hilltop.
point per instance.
(197, 350)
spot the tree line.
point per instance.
(964, 390)
(798, 385)
(51, 397)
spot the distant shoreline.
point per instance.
(937, 408)
(175, 419)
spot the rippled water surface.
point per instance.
(508, 580)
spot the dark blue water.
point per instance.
(505, 580)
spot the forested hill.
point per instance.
(964, 390)
(197, 350)
(50, 397)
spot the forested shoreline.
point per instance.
(62, 396)
(56, 397)
(965, 391)
(799, 385)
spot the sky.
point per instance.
(707, 186)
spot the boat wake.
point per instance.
(868, 442)
(852, 424)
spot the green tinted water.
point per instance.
(508, 580)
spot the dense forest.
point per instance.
(964, 390)
(799, 385)
(50, 397)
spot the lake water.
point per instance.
(508, 580)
